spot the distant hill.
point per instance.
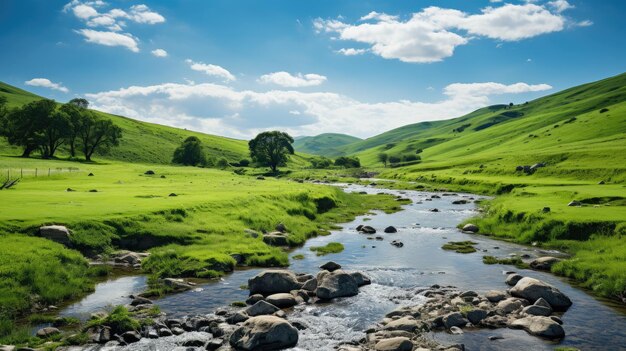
(585, 123)
(327, 144)
(142, 142)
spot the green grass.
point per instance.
(328, 249)
(460, 246)
(327, 144)
(298, 257)
(515, 261)
(120, 321)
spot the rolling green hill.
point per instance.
(577, 128)
(327, 144)
(142, 142)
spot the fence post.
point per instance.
(35, 172)
(21, 172)
(48, 172)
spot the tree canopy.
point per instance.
(42, 126)
(190, 153)
(271, 149)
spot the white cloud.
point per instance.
(585, 23)
(212, 70)
(46, 83)
(110, 39)
(351, 51)
(159, 53)
(434, 33)
(114, 21)
(285, 79)
(219, 109)
(560, 5)
(143, 14)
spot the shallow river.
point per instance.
(590, 324)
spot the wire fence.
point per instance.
(12, 173)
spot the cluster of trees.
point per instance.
(44, 126)
(385, 158)
(348, 162)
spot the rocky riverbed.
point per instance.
(266, 324)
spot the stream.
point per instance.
(590, 324)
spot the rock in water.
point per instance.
(540, 326)
(469, 227)
(391, 229)
(532, 289)
(273, 282)
(512, 279)
(264, 333)
(330, 266)
(57, 233)
(544, 263)
(361, 279)
(335, 284)
(399, 343)
(367, 230)
(261, 308)
(282, 300)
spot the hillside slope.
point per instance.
(142, 142)
(565, 128)
(327, 144)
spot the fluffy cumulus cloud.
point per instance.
(159, 53)
(211, 70)
(351, 51)
(434, 33)
(285, 79)
(109, 38)
(221, 109)
(46, 83)
(108, 23)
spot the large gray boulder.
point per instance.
(544, 327)
(544, 263)
(535, 310)
(261, 308)
(495, 295)
(273, 282)
(532, 289)
(399, 343)
(57, 233)
(335, 284)
(361, 279)
(282, 300)
(264, 333)
(509, 305)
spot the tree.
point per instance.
(348, 162)
(54, 133)
(26, 126)
(383, 157)
(222, 163)
(320, 162)
(190, 153)
(79, 102)
(271, 148)
(97, 134)
(75, 113)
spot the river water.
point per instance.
(590, 324)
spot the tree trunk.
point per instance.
(72, 149)
(27, 151)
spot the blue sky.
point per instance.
(234, 68)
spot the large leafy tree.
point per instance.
(97, 134)
(54, 133)
(74, 109)
(271, 148)
(27, 126)
(383, 158)
(190, 153)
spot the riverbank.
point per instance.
(193, 222)
(583, 216)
